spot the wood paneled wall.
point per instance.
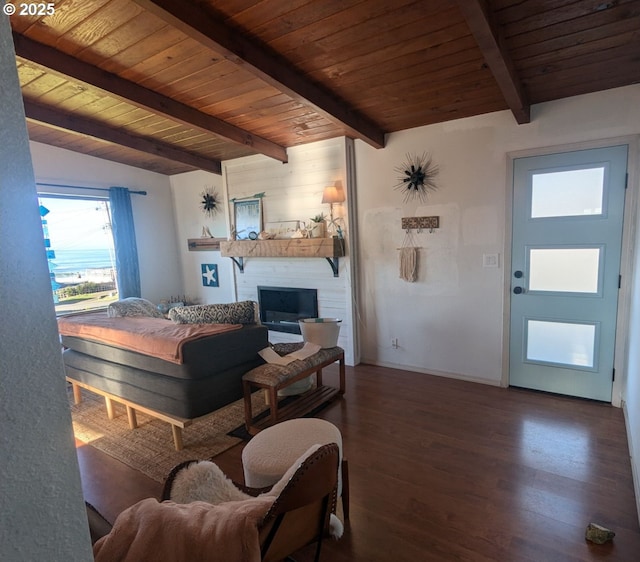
(293, 191)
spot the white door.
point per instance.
(566, 244)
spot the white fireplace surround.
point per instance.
(293, 191)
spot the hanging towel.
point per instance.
(409, 264)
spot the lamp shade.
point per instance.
(333, 194)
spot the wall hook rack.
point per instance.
(420, 223)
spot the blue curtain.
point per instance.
(124, 238)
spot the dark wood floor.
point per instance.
(448, 470)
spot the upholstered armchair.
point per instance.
(204, 516)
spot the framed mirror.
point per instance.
(247, 217)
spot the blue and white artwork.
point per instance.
(210, 275)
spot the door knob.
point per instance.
(518, 290)
(517, 274)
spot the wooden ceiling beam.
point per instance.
(89, 127)
(480, 21)
(130, 92)
(211, 32)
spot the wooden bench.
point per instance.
(273, 378)
(177, 423)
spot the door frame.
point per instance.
(626, 257)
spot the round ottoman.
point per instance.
(273, 450)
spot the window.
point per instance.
(80, 251)
(567, 193)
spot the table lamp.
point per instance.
(331, 195)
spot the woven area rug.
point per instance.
(149, 448)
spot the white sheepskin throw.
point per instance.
(204, 481)
(336, 528)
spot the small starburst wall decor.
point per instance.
(210, 202)
(417, 177)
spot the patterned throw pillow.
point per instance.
(232, 313)
(133, 306)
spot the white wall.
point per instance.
(631, 392)
(153, 214)
(43, 515)
(293, 191)
(451, 320)
(186, 192)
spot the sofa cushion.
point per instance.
(232, 313)
(133, 306)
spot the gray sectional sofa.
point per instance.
(208, 377)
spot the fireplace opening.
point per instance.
(282, 307)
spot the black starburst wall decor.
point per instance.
(210, 202)
(417, 177)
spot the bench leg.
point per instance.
(273, 398)
(131, 417)
(318, 378)
(248, 408)
(177, 437)
(110, 410)
(77, 393)
(342, 386)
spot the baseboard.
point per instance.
(444, 374)
(632, 456)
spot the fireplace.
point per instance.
(282, 307)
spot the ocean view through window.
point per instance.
(80, 252)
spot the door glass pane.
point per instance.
(561, 343)
(566, 194)
(572, 270)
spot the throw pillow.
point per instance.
(133, 306)
(233, 313)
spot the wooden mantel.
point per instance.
(329, 248)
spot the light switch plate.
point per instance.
(490, 260)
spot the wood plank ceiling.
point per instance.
(173, 86)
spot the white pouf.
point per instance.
(272, 451)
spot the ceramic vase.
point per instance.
(318, 229)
